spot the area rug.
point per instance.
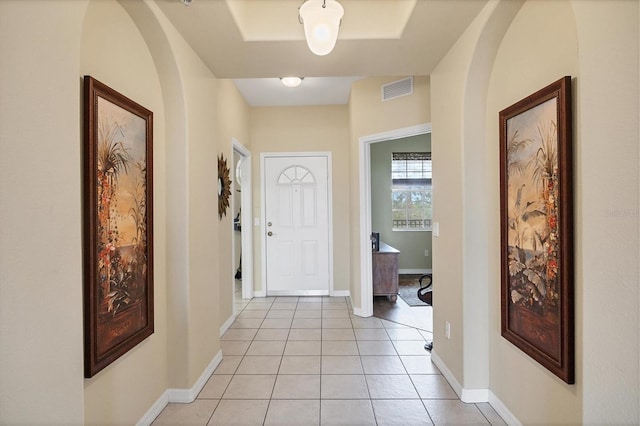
(408, 286)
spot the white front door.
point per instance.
(297, 224)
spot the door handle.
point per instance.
(270, 233)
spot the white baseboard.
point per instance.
(224, 327)
(474, 395)
(465, 395)
(186, 396)
(457, 387)
(155, 410)
(183, 396)
(334, 293)
(359, 312)
(503, 411)
(414, 271)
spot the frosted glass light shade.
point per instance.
(291, 81)
(321, 24)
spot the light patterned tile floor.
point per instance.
(309, 361)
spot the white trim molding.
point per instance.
(414, 271)
(364, 164)
(224, 327)
(466, 395)
(340, 293)
(259, 293)
(155, 410)
(457, 387)
(503, 411)
(475, 395)
(359, 312)
(186, 396)
(246, 219)
(182, 396)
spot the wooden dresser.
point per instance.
(385, 272)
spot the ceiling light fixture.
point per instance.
(321, 20)
(292, 81)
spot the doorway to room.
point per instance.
(366, 228)
(401, 214)
(242, 235)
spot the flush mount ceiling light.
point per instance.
(291, 81)
(321, 20)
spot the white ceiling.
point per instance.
(262, 92)
(255, 42)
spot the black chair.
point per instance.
(425, 291)
(426, 295)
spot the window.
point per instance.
(411, 191)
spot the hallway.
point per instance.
(308, 360)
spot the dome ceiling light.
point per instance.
(292, 81)
(321, 20)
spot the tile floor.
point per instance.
(309, 361)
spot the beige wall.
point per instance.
(577, 40)
(608, 223)
(296, 129)
(40, 233)
(189, 91)
(131, 47)
(109, 39)
(552, 54)
(233, 123)
(40, 236)
(368, 115)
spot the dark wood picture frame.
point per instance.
(118, 225)
(536, 227)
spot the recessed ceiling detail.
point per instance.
(427, 29)
(277, 20)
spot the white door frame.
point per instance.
(245, 220)
(366, 278)
(263, 211)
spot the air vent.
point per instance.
(397, 89)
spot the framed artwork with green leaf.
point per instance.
(536, 220)
(118, 225)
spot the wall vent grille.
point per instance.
(397, 89)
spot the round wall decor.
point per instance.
(224, 186)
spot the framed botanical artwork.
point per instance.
(536, 221)
(118, 225)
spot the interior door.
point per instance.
(296, 225)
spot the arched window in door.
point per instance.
(298, 197)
